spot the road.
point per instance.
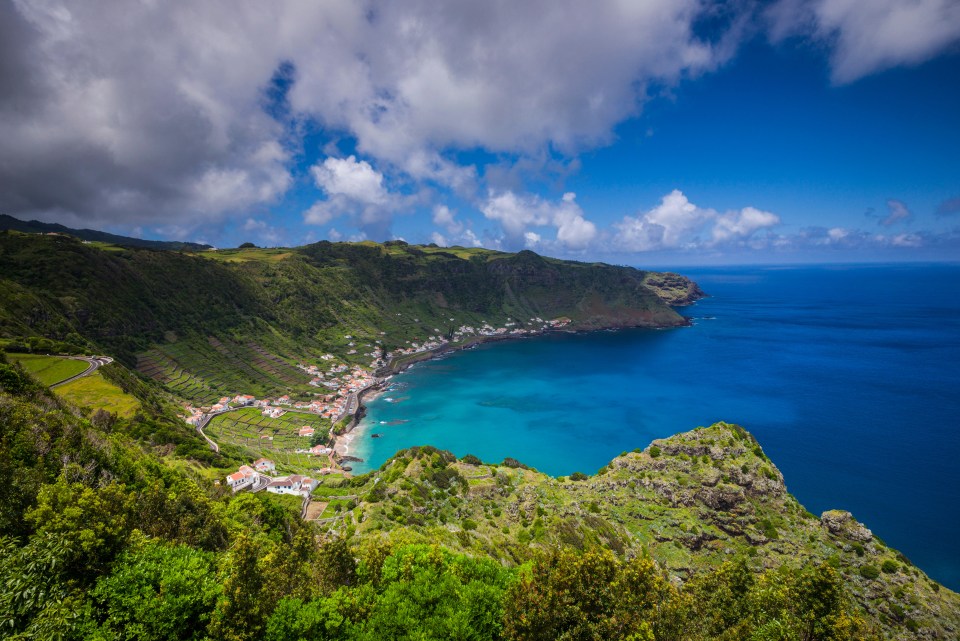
(202, 423)
(93, 362)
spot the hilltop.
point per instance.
(690, 502)
(92, 235)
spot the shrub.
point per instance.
(869, 572)
(654, 451)
(578, 476)
(470, 459)
(469, 524)
(858, 548)
(889, 566)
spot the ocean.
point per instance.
(849, 376)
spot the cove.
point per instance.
(846, 374)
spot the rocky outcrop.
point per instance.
(842, 524)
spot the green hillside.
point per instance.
(116, 522)
(693, 538)
(220, 323)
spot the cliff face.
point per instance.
(691, 501)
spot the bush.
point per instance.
(469, 524)
(654, 451)
(890, 566)
(869, 572)
(470, 459)
(578, 476)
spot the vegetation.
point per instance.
(113, 524)
(213, 323)
(97, 393)
(49, 370)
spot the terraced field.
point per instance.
(204, 370)
(253, 435)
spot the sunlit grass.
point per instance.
(97, 393)
(49, 369)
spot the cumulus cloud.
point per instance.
(866, 37)
(352, 179)
(444, 217)
(676, 223)
(353, 188)
(517, 213)
(127, 112)
(737, 225)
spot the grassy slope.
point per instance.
(707, 495)
(95, 392)
(49, 370)
(214, 323)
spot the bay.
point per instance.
(848, 376)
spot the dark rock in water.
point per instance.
(351, 458)
(376, 435)
(347, 468)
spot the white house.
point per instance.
(264, 465)
(241, 478)
(285, 485)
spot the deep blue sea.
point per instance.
(848, 375)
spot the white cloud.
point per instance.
(444, 217)
(907, 240)
(738, 225)
(355, 180)
(871, 36)
(516, 214)
(672, 224)
(262, 233)
(439, 239)
(145, 110)
(355, 189)
(676, 223)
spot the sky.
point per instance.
(641, 132)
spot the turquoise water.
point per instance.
(849, 376)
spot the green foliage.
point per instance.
(578, 476)
(889, 566)
(654, 451)
(566, 595)
(158, 592)
(470, 459)
(869, 572)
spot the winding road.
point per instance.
(93, 362)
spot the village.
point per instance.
(345, 385)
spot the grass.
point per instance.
(49, 369)
(273, 438)
(246, 255)
(96, 392)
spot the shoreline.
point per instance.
(341, 443)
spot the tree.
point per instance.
(159, 592)
(591, 595)
(241, 614)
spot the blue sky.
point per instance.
(650, 133)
